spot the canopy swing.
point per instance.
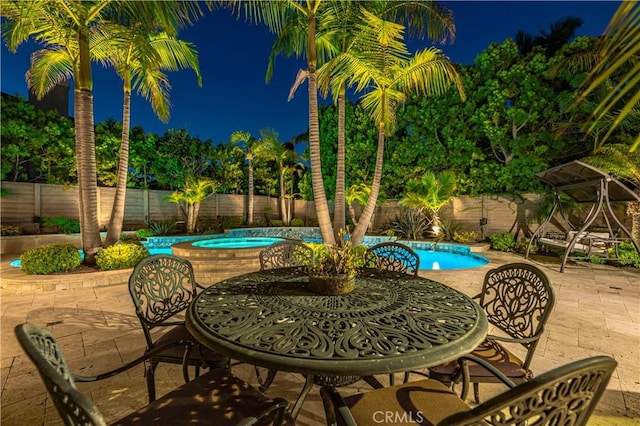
(585, 184)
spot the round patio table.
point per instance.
(391, 322)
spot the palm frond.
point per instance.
(48, 68)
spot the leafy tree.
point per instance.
(36, 146)
(180, 158)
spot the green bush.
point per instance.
(62, 224)
(8, 230)
(145, 233)
(120, 256)
(628, 254)
(502, 241)
(297, 222)
(276, 222)
(50, 259)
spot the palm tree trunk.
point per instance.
(339, 219)
(251, 194)
(369, 208)
(633, 209)
(319, 195)
(85, 148)
(283, 204)
(117, 211)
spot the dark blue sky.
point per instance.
(233, 60)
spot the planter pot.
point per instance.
(332, 285)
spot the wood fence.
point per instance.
(25, 204)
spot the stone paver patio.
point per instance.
(597, 312)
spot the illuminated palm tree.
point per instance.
(421, 17)
(139, 61)
(280, 17)
(250, 145)
(431, 193)
(380, 61)
(68, 29)
(618, 53)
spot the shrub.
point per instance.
(597, 260)
(297, 222)
(450, 228)
(50, 259)
(409, 223)
(229, 222)
(144, 233)
(502, 241)
(8, 230)
(120, 256)
(465, 237)
(276, 222)
(161, 227)
(628, 254)
(62, 224)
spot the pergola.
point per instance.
(585, 184)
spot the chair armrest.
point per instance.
(278, 405)
(154, 352)
(335, 405)
(488, 366)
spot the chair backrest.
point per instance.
(566, 395)
(160, 287)
(393, 256)
(518, 299)
(73, 406)
(286, 254)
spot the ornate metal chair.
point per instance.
(161, 287)
(217, 397)
(393, 257)
(517, 299)
(286, 254)
(566, 395)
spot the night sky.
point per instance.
(233, 61)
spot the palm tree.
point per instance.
(67, 29)
(379, 60)
(431, 193)
(280, 17)
(271, 149)
(139, 62)
(337, 34)
(249, 145)
(189, 198)
(618, 53)
(560, 32)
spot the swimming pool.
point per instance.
(237, 242)
(431, 260)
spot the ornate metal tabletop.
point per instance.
(392, 322)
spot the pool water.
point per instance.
(236, 242)
(434, 260)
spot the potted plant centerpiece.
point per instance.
(335, 268)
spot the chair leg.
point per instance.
(151, 381)
(392, 379)
(308, 385)
(476, 392)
